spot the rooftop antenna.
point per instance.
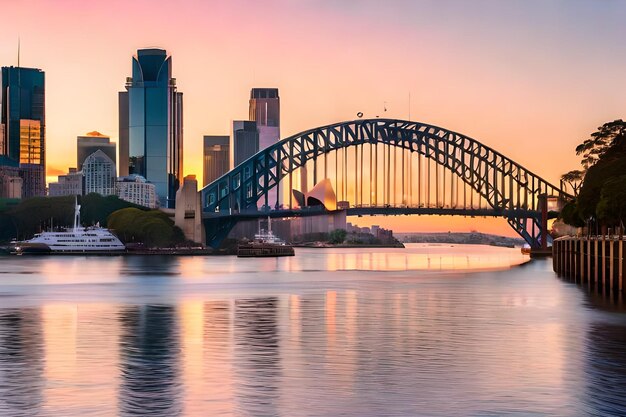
(18, 51)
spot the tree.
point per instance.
(575, 179)
(604, 158)
(611, 208)
(609, 138)
(153, 228)
(337, 236)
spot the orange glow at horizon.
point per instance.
(520, 78)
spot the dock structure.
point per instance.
(595, 262)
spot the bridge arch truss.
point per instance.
(504, 187)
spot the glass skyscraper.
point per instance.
(154, 137)
(23, 125)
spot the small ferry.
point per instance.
(265, 244)
(77, 240)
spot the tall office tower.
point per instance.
(23, 117)
(216, 157)
(265, 111)
(91, 142)
(99, 174)
(122, 161)
(245, 140)
(155, 124)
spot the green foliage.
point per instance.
(604, 159)
(153, 228)
(571, 215)
(596, 177)
(609, 138)
(33, 215)
(337, 236)
(611, 208)
(575, 179)
(96, 208)
(40, 213)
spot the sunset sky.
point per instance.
(529, 78)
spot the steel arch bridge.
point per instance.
(438, 171)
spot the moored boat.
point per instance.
(265, 244)
(77, 240)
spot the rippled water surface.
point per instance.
(428, 330)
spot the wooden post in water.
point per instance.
(612, 279)
(589, 279)
(621, 265)
(565, 257)
(595, 264)
(581, 260)
(604, 277)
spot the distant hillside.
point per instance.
(460, 238)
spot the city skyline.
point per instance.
(522, 78)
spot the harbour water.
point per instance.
(434, 330)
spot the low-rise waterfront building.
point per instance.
(135, 189)
(68, 184)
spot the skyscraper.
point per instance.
(23, 120)
(216, 157)
(91, 142)
(155, 124)
(245, 140)
(265, 111)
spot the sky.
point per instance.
(531, 79)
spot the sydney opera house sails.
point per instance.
(320, 195)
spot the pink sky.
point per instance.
(531, 79)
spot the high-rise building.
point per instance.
(99, 174)
(245, 140)
(91, 142)
(122, 162)
(68, 184)
(23, 117)
(155, 124)
(265, 111)
(216, 157)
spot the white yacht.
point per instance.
(94, 239)
(265, 244)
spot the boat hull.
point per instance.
(264, 250)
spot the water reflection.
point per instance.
(149, 361)
(188, 339)
(605, 365)
(21, 362)
(257, 356)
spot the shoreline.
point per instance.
(330, 246)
